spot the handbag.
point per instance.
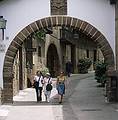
(36, 83)
(48, 86)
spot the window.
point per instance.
(87, 53)
(39, 51)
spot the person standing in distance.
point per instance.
(38, 84)
(68, 68)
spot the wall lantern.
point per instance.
(113, 1)
(2, 25)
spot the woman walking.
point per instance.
(38, 84)
(47, 86)
(61, 86)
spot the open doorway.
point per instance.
(53, 60)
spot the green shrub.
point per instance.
(100, 72)
(39, 35)
(84, 65)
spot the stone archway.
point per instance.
(52, 21)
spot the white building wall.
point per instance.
(99, 13)
(20, 13)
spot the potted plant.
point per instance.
(100, 72)
(84, 64)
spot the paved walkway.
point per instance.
(83, 101)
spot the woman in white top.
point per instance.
(38, 84)
(47, 80)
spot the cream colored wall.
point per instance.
(100, 55)
(68, 53)
(38, 62)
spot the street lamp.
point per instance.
(2, 25)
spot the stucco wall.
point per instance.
(99, 13)
(20, 13)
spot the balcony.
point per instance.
(68, 36)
